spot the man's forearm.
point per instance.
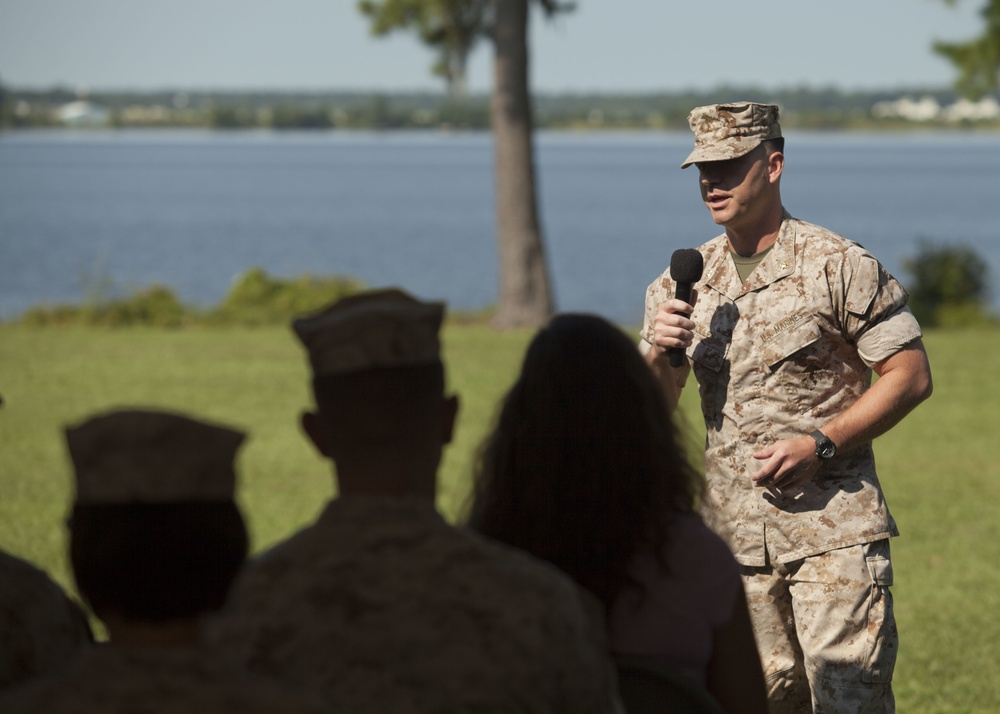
(904, 382)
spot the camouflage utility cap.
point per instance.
(728, 131)
(139, 456)
(377, 329)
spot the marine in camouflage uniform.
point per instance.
(40, 626)
(783, 355)
(155, 543)
(381, 605)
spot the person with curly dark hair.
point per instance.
(585, 469)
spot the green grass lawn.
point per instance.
(939, 467)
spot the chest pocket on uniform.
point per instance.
(789, 341)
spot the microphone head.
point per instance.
(686, 265)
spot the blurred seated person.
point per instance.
(155, 541)
(381, 605)
(40, 626)
(584, 469)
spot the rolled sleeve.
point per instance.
(887, 337)
(874, 311)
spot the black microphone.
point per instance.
(686, 265)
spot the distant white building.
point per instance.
(985, 109)
(928, 109)
(82, 113)
(924, 109)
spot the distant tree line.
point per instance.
(802, 108)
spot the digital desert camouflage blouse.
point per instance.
(41, 628)
(151, 680)
(382, 606)
(775, 358)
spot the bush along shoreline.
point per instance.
(948, 286)
(254, 299)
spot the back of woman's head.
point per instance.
(583, 467)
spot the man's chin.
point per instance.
(719, 215)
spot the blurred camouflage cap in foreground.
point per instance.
(728, 131)
(378, 329)
(137, 456)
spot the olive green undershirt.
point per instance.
(745, 266)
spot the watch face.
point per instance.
(825, 448)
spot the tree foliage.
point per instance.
(949, 286)
(978, 59)
(451, 27)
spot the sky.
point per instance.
(610, 46)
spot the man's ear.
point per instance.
(449, 410)
(313, 428)
(775, 165)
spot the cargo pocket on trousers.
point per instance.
(883, 639)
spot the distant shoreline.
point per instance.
(898, 129)
(893, 110)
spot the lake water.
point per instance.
(193, 209)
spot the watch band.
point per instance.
(825, 448)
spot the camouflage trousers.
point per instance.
(825, 630)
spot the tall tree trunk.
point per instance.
(525, 296)
(457, 61)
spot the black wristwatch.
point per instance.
(825, 448)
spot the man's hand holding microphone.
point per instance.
(673, 329)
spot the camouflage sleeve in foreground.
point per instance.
(40, 626)
(155, 680)
(382, 606)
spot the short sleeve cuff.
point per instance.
(888, 336)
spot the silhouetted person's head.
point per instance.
(381, 413)
(155, 536)
(584, 464)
